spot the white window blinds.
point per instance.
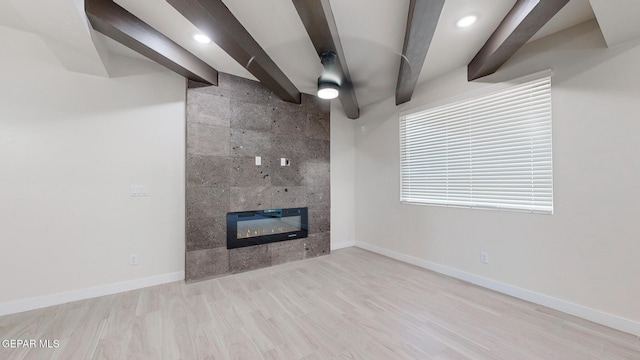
(492, 151)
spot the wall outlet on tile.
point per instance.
(258, 160)
(139, 190)
(285, 162)
(484, 257)
(133, 259)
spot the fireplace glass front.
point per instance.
(265, 226)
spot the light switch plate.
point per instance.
(139, 190)
(258, 161)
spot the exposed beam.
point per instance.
(317, 17)
(521, 23)
(421, 25)
(117, 23)
(216, 21)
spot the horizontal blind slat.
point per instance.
(492, 151)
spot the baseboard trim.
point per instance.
(342, 245)
(87, 293)
(612, 321)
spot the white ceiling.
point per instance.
(372, 39)
(371, 31)
(617, 26)
(63, 27)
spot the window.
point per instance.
(491, 151)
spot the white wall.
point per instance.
(343, 159)
(70, 147)
(587, 253)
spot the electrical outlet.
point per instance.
(484, 257)
(133, 259)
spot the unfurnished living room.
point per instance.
(320, 179)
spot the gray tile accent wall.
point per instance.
(227, 126)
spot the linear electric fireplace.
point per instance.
(257, 227)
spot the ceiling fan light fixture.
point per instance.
(466, 21)
(327, 89)
(328, 86)
(202, 39)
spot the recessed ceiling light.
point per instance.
(467, 21)
(201, 39)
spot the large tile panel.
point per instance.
(251, 92)
(285, 251)
(203, 139)
(317, 245)
(317, 174)
(287, 196)
(250, 142)
(243, 172)
(251, 116)
(227, 127)
(207, 201)
(206, 233)
(223, 89)
(249, 258)
(202, 264)
(289, 147)
(291, 175)
(250, 198)
(319, 219)
(317, 150)
(318, 126)
(204, 108)
(207, 170)
(292, 122)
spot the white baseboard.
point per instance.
(342, 245)
(88, 293)
(612, 321)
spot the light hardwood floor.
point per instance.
(352, 304)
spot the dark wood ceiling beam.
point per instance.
(215, 20)
(317, 17)
(421, 25)
(521, 23)
(117, 23)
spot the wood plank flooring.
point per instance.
(352, 304)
